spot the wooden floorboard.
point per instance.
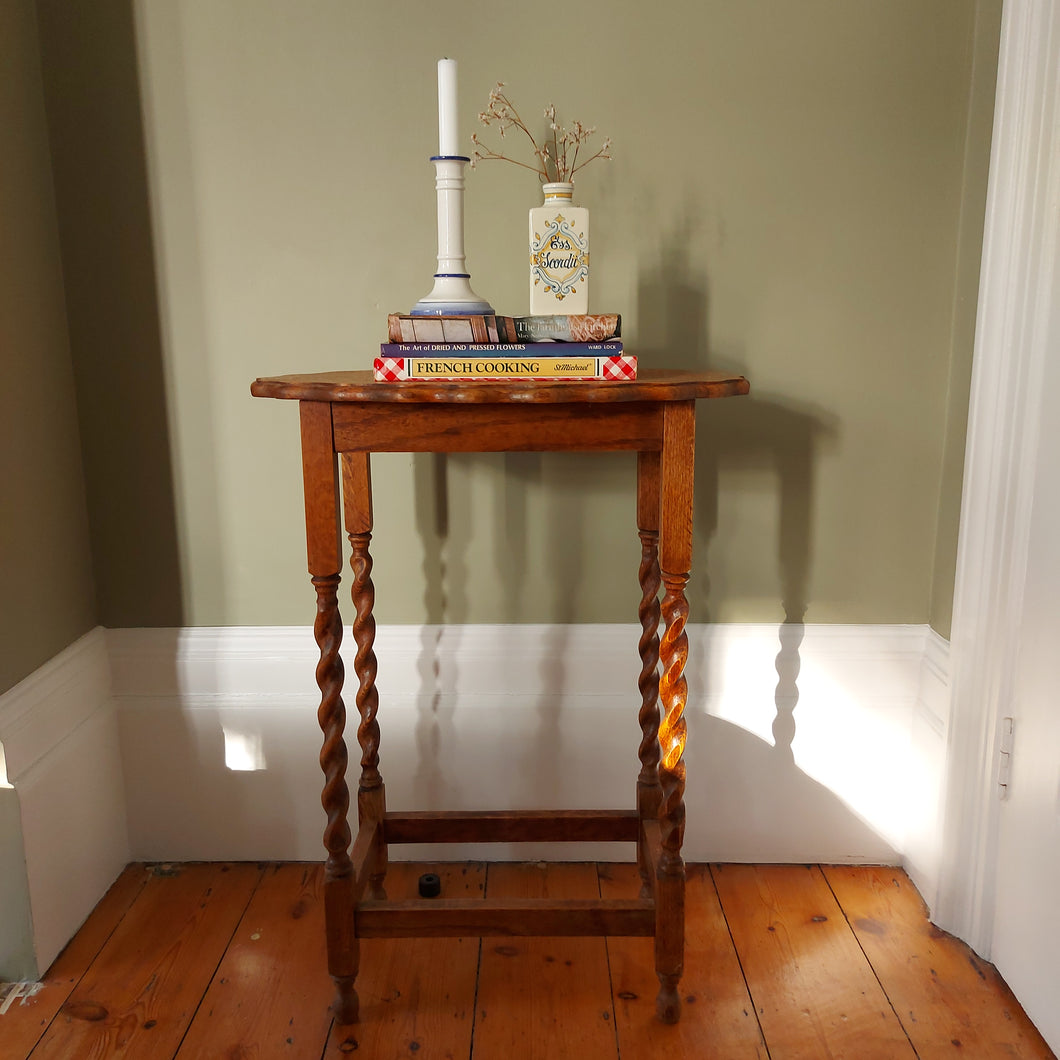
(935, 982)
(716, 1007)
(270, 993)
(417, 995)
(25, 1022)
(543, 998)
(139, 995)
(782, 963)
(815, 994)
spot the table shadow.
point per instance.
(764, 432)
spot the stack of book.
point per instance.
(587, 346)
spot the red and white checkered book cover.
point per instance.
(620, 366)
(614, 368)
(390, 369)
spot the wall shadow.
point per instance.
(444, 523)
(434, 711)
(443, 520)
(96, 134)
(762, 432)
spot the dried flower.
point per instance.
(556, 158)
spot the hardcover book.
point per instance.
(585, 327)
(613, 367)
(507, 349)
(475, 328)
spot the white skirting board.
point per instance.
(805, 744)
(817, 743)
(65, 838)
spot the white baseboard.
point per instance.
(524, 716)
(59, 733)
(929, 743)
(806, 744)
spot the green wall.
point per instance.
(796, 194)
(969, 253)
(47, 598)
(96, 134)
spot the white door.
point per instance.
(999, 886)
(1026, 936)
(1025, 940)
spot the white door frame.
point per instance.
(1015, 329)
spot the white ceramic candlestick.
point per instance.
(452, 293)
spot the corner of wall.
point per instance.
(60, 737)
(928, 749)
(17, 958)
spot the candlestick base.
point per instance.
(452, 294)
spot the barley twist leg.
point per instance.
(343, 949)
(673, 690)
(649, 793)
(371, 794)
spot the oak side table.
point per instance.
(346, 416)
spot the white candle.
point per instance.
(448, 135)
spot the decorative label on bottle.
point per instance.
(559, 253)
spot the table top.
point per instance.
(651, 385)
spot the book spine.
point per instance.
(493, 349)
(506, 330)
(609, 368)
(476, 328)
(586, 327)
(483, 329)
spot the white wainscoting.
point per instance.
(59, 733)
(822, 743)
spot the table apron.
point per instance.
(424, 428)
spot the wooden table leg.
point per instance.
(320, 479)
(677, 472)
(649, 792)
(371, 794)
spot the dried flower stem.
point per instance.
(556, 159)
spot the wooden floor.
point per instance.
(227, 961)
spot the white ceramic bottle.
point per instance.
(559, 253)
